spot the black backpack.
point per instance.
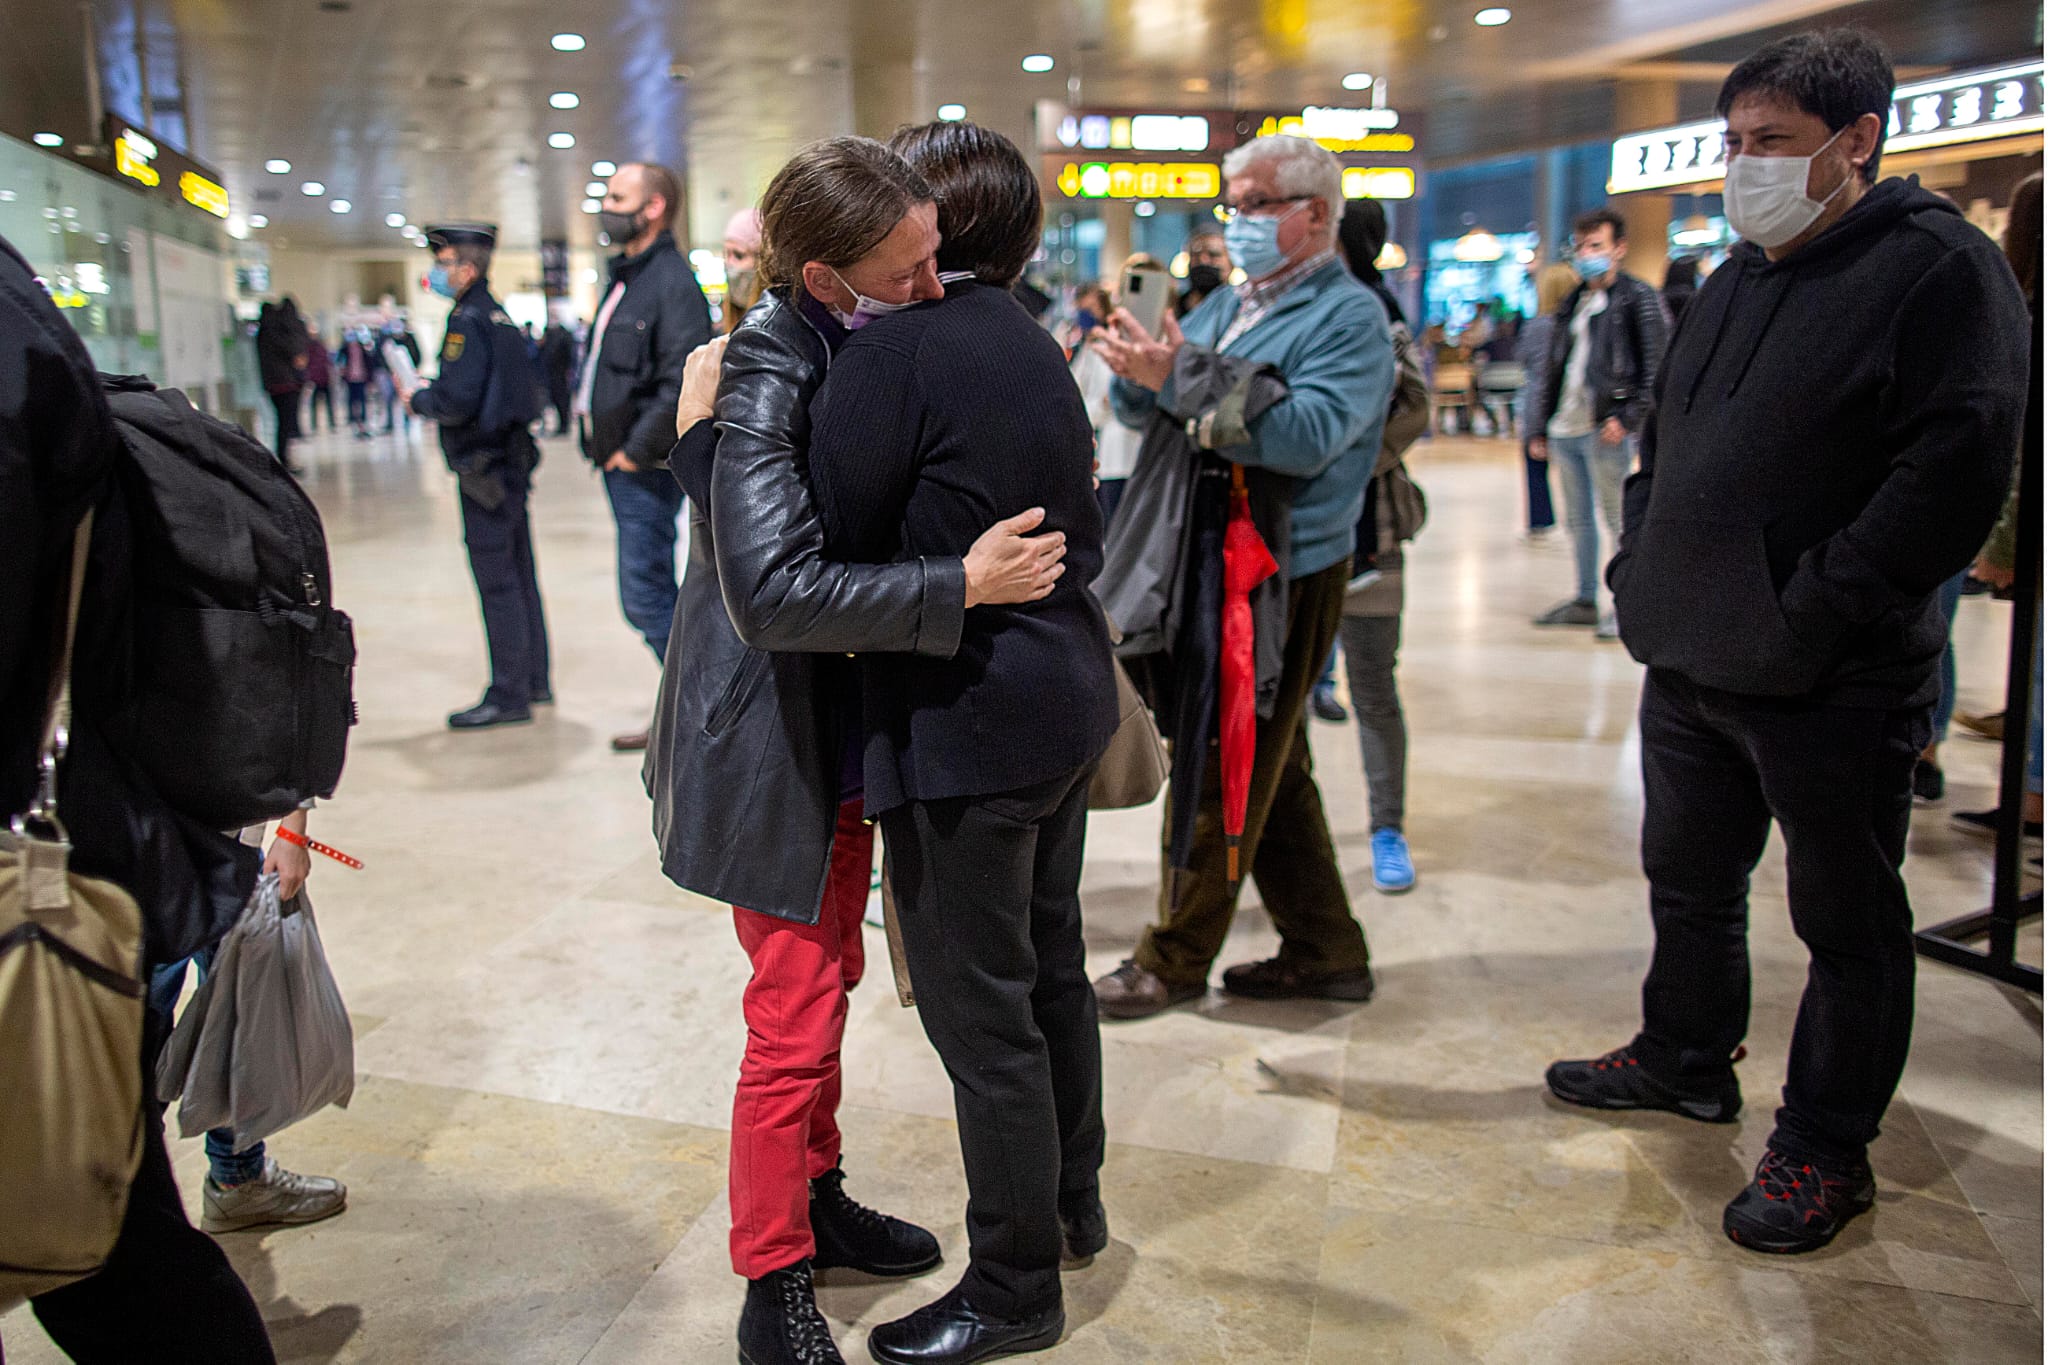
(243, 667)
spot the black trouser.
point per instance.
(558, 399)
(286, 405)
(988, 900)
(166, 1295)
(500, 544)
(1717, 769)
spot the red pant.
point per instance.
(785, 1128)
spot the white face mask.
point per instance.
(865, 309)
(1765, 196)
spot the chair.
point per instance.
(1453, 393)
(1500, 392)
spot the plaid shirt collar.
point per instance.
(1260, 295)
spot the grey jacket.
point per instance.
(1144, 580)
(747, 751)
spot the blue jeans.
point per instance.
(1537, 472)
(1950, 595)
(645, 504)
(229, 1166)
(1590, 471)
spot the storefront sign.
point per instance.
(1379, 182)
(1062, 129)
(1140, 180)
(140, 158)
(1971, 106)
(1341, 130)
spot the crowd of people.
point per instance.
(300, 370)
(931, 548)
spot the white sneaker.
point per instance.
(278, 1196)
(1607, 629)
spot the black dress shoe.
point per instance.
(1084, 1230)
(781, 1324)
(487, 713)
(858, 1238)
(951, 1332)
(542, 696)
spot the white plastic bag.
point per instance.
(266, 1040)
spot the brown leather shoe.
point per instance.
(629, 744)
(1273, 979)
(1131, 992)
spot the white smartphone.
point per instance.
(1147, 291)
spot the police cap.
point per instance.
(462, 234)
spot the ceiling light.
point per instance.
(1358, 80)
(1038, 62)
(1493, 18)
(561, 142)
(952, 113)
(563, 99)
(595, 189)
(49, 139)
(277, 165)
(1477, 247)
(592, 205)
(396, 220)
(567, 42)
(257, 220)
(604, 168)
(340, 206)
(312, 189)
(1146, 209)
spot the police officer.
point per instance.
(483, 401)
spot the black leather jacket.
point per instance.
(748, 746)
(661, 319)
(1628, 340)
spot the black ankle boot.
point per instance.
(781, 1324)
(858, 1238)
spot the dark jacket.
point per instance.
(483, 396)
(1832, 440)
(662, 318)
(1628, 339)
(936, 423)
(280, 345)
(744, 762)
(57, 457)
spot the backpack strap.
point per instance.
(57, 710)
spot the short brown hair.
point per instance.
(990, 214)
(659, 179)
(834, 202)
(1586, 223)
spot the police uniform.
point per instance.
(483, 401)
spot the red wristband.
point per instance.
(292, 836)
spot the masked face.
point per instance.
(1204, 278)
(1765, 197)
(441, 280)
(865, 309)
(619, 227)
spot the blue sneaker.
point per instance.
(1393, 871)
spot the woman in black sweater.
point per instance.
(931, 423)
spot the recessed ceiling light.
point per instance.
(564, 99)
(595, 189)
(561, 142)
(394, 220)
(1146, 208)
(952, 113)
(1493, 18)
(339, 206)
(312, 189)
(592, 205)
(604, 168)
(1038, 62)
(567, 42)
(277, 165)
(258, 220)
(49, 139)
(1358, 80)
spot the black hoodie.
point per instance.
(1832, 440)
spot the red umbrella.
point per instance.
(1247, 562)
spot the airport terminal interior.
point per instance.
(548, 1030)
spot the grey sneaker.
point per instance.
(1607, 629)
(1573, 613)
(278, 1196)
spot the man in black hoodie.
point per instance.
(1832, 438)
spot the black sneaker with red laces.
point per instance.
(1794, 1206)
(1618, 1081)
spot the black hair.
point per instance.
(990, 214)
(1591, 219)
(1682, 272)
(1837, 75)
(1361, 236)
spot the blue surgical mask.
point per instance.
(1254, 242)
(438, 281)
(865, 309)
(1592, 268)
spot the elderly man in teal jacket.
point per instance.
(1302, 311)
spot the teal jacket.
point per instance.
(1329, 339)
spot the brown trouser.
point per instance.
(1286, 840)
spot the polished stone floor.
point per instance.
(548, 1032)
